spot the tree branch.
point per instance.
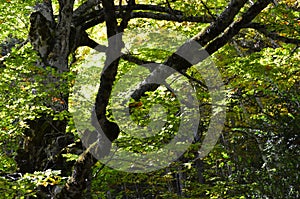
(223, 21)
(95, 16)
(177, 62)
(111, 62)
(154, 8)
(247, 17)
(82, 168)
(85, 7)
(170, 17)
(126, 15)
(208, 10)
(60, 52)
(136, 60)
(273, 35)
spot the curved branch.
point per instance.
(222, 22)
(95, 5)
(208, 10)
(90, 18)
(170, 17)
(83, 8)
(155, 8)
(126, 15)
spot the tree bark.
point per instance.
(54, 40)
(83, 167)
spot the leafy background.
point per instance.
(257, 155)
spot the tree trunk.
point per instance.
(55, 40)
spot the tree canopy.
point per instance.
(90, 88)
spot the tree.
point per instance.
(57, 37)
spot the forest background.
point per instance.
(44, 46)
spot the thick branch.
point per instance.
(77, 183)
(177, 62)
(156, 8)
(92, 17)
(126, 15)
(85, 7)
(222, 22)
(88, 13)
(170, 17)
(238, 25)
(82, 168)
(111, 64)
(60, 52)
(92, 6)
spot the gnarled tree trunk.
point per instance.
(56, 38)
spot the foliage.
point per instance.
(257, 155)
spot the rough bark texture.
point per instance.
(54, 40)
(42, 149)
(82, 169)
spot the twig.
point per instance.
(208, 10)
